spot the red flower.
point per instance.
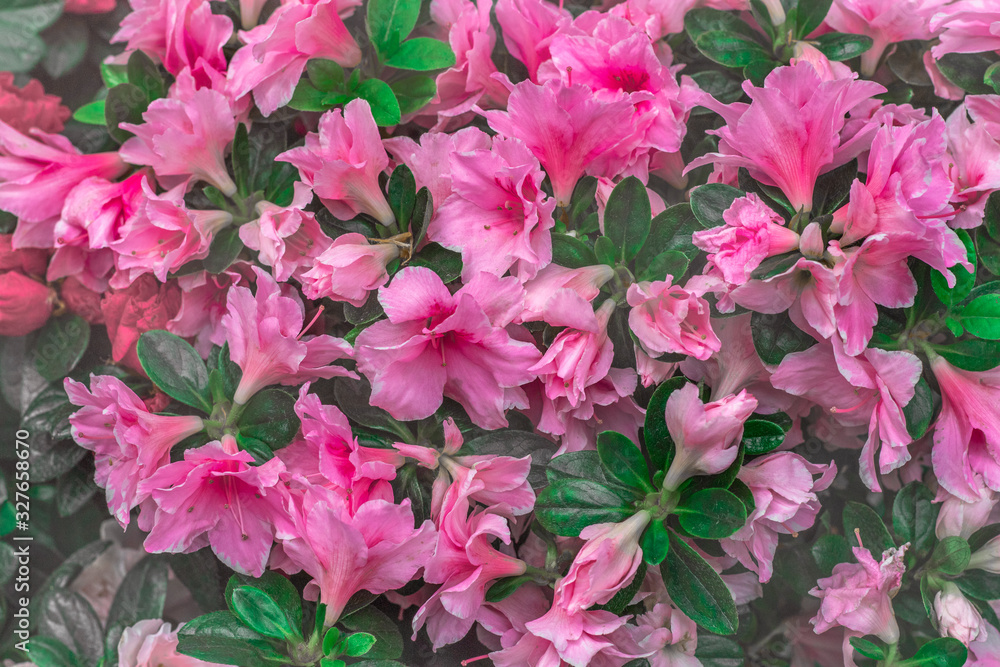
(28, 107)
(145, 305)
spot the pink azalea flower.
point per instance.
(585, 639)
(162, 235)
(974, 166)
(784, 492)
(287, 239)
(605, 564)
(871, 388)
(152, 643)
(92, 218)
(956, 616)
(214, 497)
(808, 290)
(569, 130)
(129, 442)
(706, 436)
(179, 33)
(349, 269)
(561, 296)
(528, 27)
(962, 518)
(437, 344)
(885, 21)
(858, 595)
(430, 160)
(376, 549)
(501, 190)
(27, 107)
(342, 163)
(790, 133)
(203, 305)
(276, 52)
(617, 60)
(184, 138)
(966, 26)
(673, 635)
(967, 431)
(465, 563)
(576, 374)
(669, 319)
(752, 233)
(265, 331)
(46, 163)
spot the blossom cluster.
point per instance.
(571, 335)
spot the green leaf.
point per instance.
(991, 77)
(699, 21)
(567, 506)
(659, 444)
(761, 436)
(964, 280)
(50, 652)
(90, 114)
(259, 612)
(833, 188)
(68, 617)
(389, 644)
(112, 74)
(914, 516)
(378, 94)
(971, 355)
(571, 252)
(330, 641)
(967, 71)
(981, 317)
(420, 219)
(979, 585)
(517, 444)
(951, 555)
(920, 410)
(226, 247)
(775, 337)
(389, 22)
(66, 43)
(308, 97)
(709, 202)
(20, 21)
(605, 251)
(670, 263)
(402, 194)
(240, 158)
(175, 367)
(586, 464)
(712, 513)
(941, 652)
(413, 92)
(715, 651)
(623, 461)
(655, 543)
(125, 103)
(269, 416)
(221, 637)
(617, 604)
(809, 15)
(991, 216)
(501, 589)
(669, 231)
(446, 263)
(325, 75)
(697, 589)
(874, 535)
(988, 252)
(627, 217)
(358, 644)
(141, 595)
(60, 346)
(422, 54)
(838, 46)
(730, 49)
(829, 550)
(867, 648)
(145, 74)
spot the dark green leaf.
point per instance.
(761, 436)
(501, 589)
(659, 444)
(867, 648)
(971, 355)
(839, 46)
(402, 194)
(833, 187)
(175, 367)
(446, 263)
(967, 71)
(66, 43)
(627, 217)
(712, 514)
(730, 49)
(50, 652)
(389, 22)
(381, 99)
(950, 556)
(991, 215)
(586, 464)
(964, 280)
(325, 75)
(623, 461)
(979, 585)
(991, 77)
(914, 516)
(809, 15)
(141, 595)
(981, 317)
(606, 251)
(702, 20)
(413, 92)
(308, 97)
(517, 444)
(68, 617)
(389, 644)
(670, 263)
(715, 651)
(567, 506)
(259, 612)
(743, 492)
(920, 410)
(941, 652)
(709, 202)
(829, 550)
(655, 543)
(221, 637)
(697, 589)
(616, 605)
(226, 247)
(874, 535)
(571, 252)
(270, 416)
(60, 346)
(75, 489)
(422, 54)
(240, 158)
(20, 21)
(669, 231)
(125, 103)
(775, 336)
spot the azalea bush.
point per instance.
(653, 334)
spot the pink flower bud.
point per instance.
(25, 304)
(987, 557)
(707, 436)
(956, 616)
(811, 243)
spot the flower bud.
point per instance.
(25, 304)
(811, 244)
(956, 616)
(987, 557)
